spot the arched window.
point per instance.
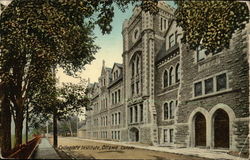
(133, 69)
(165, 78)
(171, 76)
(137, 65)
(165, 111)
(171, 109)
(177, 73)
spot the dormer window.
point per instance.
(200, 54)
(171, 40)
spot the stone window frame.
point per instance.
(169, 114)
(171, 78)
(214, 85)
(168, 128)
(177, 72)
(163, 78)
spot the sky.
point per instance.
(111, 49)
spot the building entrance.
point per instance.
(221, 129)
(134, 135)
(200, 130)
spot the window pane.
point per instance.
(131, 115)
(171, 40)
(141, 108)
(221, 81)
(165, 135)
(177, 73)
(171, 76)
(201, 54)
(165, 79)
(171, 135)
(165, 111)
(198, 89)
(209, 87)
(171, 107)
(136, 114)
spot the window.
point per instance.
(198, 89)
(115, 97)
(133, 69)
(171, 76)
(161, 23)
(136, 114)
(119, 118)
(165, 135)
(165, 23)
(117, 74)
(200, 54)
(137, 87)
(106, 102)
(171, 109)
(112, 119)
(119, 95)
(171, 135)
(209, 87)
(176, 36)
(141, 108)
(137, 65)
(131, 115)
(165, 78)
(177, 73)
(171, 40)
(106, 120)
(119, 135)
(112, 98)
(115, 118)
(221, 81)
(165, 111)
(132, 88)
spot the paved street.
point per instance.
(96, 150)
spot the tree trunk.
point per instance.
(5, 126)
(55, 129)
(27, 127)
(18, 127)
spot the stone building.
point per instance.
(166, 94)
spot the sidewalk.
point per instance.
(45, 151)
(203, 153)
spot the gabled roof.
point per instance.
(163, 53)
(119, 65)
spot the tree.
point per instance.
(38, 35)
(210, 24)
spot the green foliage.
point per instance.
(210, 24)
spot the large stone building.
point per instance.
(166, 94)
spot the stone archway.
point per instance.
(134, 134)
(200, 129)
(221, 129)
